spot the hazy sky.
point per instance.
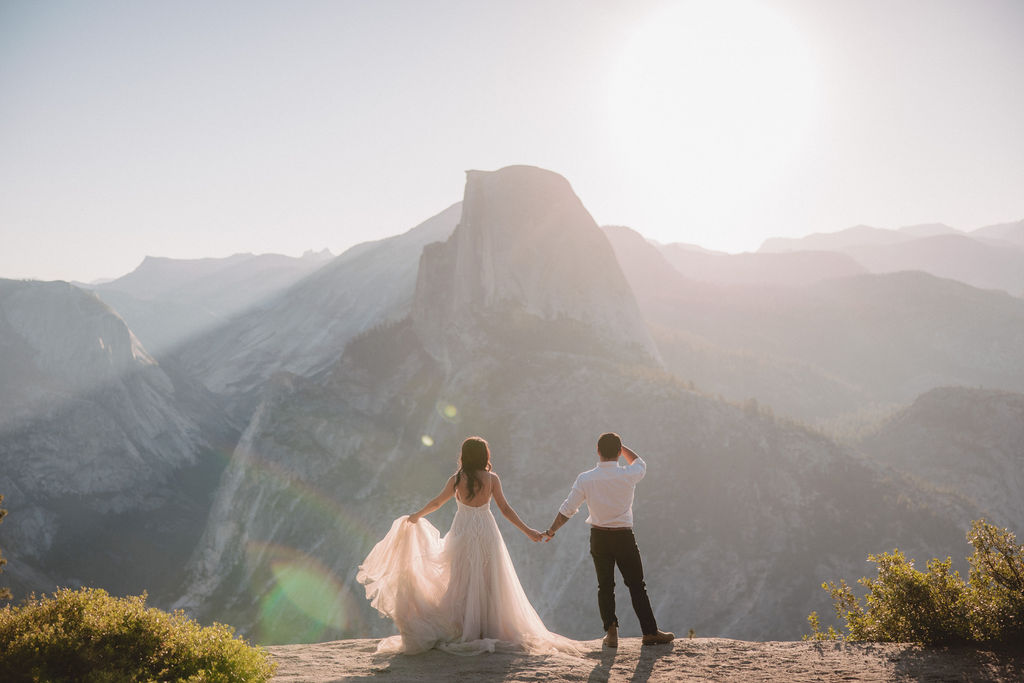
(190, 129)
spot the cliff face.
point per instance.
(74, 357)
(91, 430)
(526, 250)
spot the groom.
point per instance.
(608, 492)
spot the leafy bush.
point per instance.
(904, 604)
(87, 635)
(996, 593)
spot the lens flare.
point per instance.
(305, 601)
(426, 440)
(447, 411)
(299, 598)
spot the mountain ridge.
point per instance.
(991, 257)
(168, 302)
(96, 445)
(305, 327)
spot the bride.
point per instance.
(459, 593)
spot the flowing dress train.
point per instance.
(459, 593)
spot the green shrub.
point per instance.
(87, 635)
(996, 591)
(904, 604)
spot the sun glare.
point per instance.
(709, 102)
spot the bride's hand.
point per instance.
(534, 535)
(413, 519)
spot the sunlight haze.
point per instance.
(285, 286)
(196, 129)
(711, 100)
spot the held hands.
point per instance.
(537, 536)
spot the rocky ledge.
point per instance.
(715, 659)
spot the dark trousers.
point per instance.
(618, 547)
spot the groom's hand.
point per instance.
(548, 535)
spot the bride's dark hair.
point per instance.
(475, 457)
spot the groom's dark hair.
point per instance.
(609, 445)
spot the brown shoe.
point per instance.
(611, 639)
(658, 638)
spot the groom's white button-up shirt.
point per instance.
(608, 492)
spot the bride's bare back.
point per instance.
(490, 487)
(482, 491)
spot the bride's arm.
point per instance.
(447, 492)
(510, 514)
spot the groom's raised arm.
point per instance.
(635, 465)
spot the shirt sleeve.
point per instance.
(572, 503)
(637, 470)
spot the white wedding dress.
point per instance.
(459, 593)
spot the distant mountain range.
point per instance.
(304, 327)
(170, 301)
(832, 346)
(990, 258)
(796, 268)
(244, 471)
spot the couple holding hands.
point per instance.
(460, 593)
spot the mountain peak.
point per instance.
(526, 249)
(858, 235)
